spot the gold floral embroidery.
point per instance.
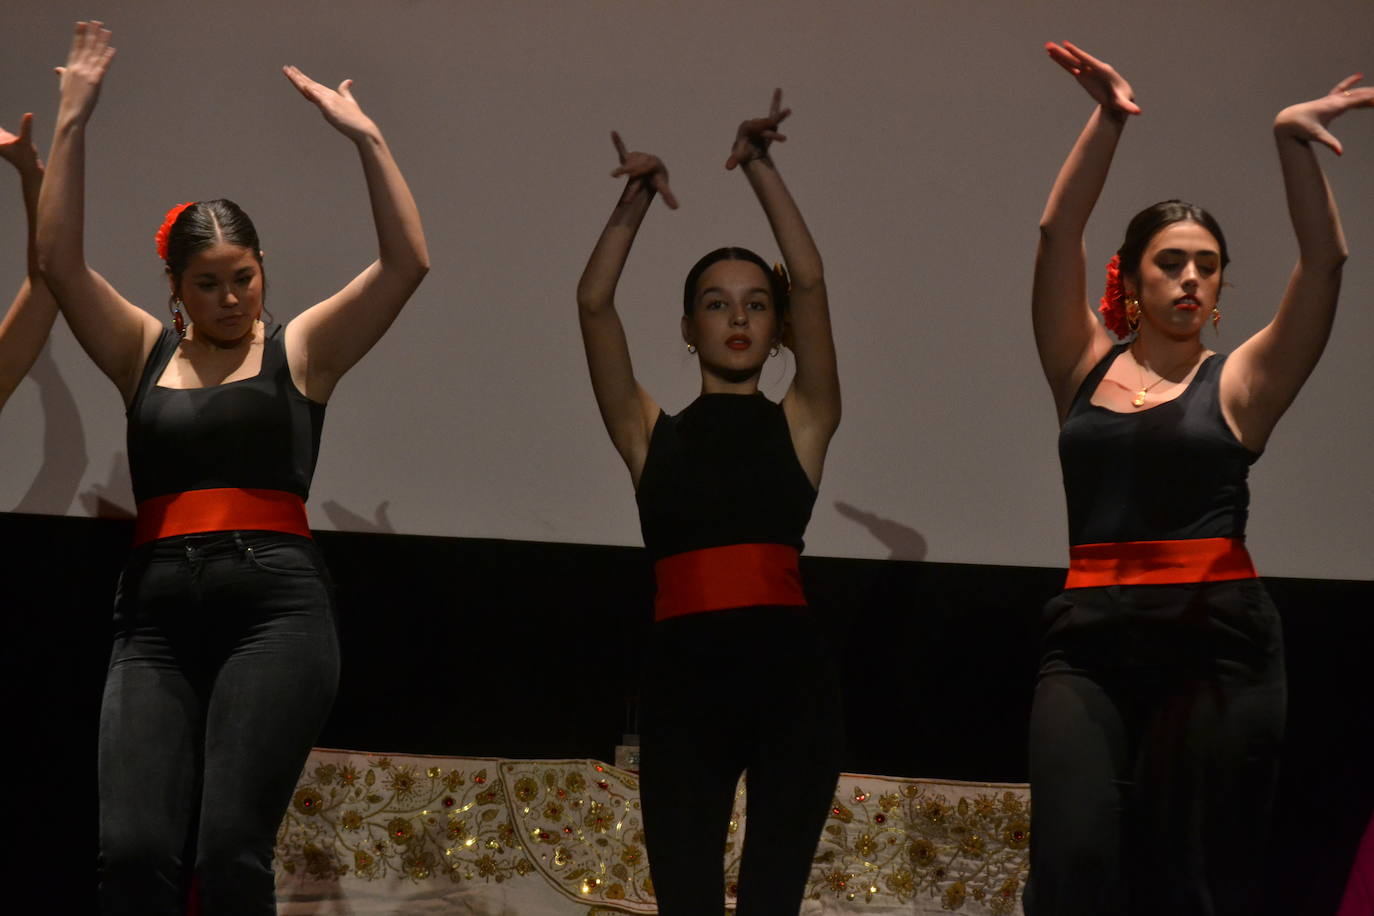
(576, 825)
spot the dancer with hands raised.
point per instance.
(25, 326)
(1160, 703)
(737, 676)
(225, 658)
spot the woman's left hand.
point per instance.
(339, 107)
(755, 135)
(18, 149)
(1307, 121)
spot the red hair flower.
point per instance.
(1113, 307)
(166, 228)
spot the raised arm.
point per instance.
(115, 333)
(25, 326)
(813, 401)
(326, 340)
(1069, 339)
(627, 409)
(1264, 374)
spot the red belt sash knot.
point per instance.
(738, 575)
(220, 509)
(1159, 562)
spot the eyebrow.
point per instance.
(1177, 251)
(754, 291)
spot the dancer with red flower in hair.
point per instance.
(24, 328)
(225, 657)
(1159, 706)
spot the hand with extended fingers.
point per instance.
(754, 135)
(339, 107)
(87, 61)
(1307, 121)
(1103, 83)
(18, 149)
(645, 172)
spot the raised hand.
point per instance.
(339, 107)
(1307, 121)
(1103, 83)
(643, 170)
(18, 149)
(87, 61)
(754, 135)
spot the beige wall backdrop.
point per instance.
(924, 138)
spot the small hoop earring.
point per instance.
(178, 318)
(1216, 319)
(692, 348)
(774, 350)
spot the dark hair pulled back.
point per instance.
(1146, 224)
(777, 283)
(204, 224)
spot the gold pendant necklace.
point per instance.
(1139, 399)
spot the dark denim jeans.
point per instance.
(224, 668)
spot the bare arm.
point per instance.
(26, 325)
(1265, 373)
(812, 403)
(627, 409)
(116, 334)
(329, 338)
(1069, 339)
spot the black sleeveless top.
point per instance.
(1170, 472)
(723, 472)
(258, 433)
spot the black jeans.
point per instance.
(224, 668)
(728, 691)
(1154, 741)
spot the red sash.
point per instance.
(1159, 562)
(740, 575)
(220, 509)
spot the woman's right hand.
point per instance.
(646, 173)
(87, 61)
(1107, 87)
(18, 149)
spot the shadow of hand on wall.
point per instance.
(109, 500)
(346, 519)
(903, 543)
(64, 442)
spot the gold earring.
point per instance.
(1133, 313)
(178, 319)
(1216, 319)
(692, 348)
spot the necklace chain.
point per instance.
(1139, 399)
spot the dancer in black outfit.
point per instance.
(25, 326)
(1160, 703)
(225, 658)
(737, 678)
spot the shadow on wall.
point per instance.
(64, 443)
(109, 499)
(902, 543)
(345, 519)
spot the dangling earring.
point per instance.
(1216, 319)
(692, 348)
(1133, 313)
(178, 319)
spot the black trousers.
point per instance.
(729, 691)
(1154, 740)
(224, 668)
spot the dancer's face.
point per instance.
(734, 322)
(221, 290)
(1180, 279)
